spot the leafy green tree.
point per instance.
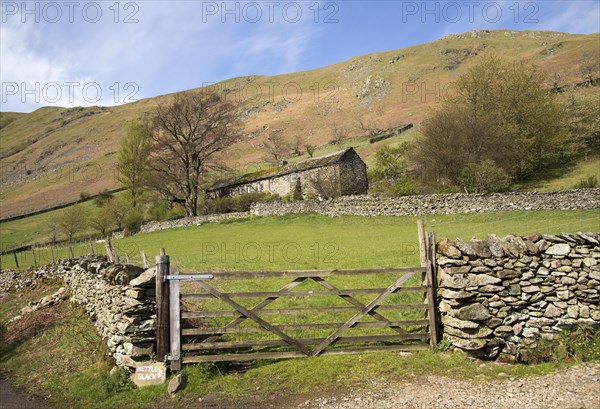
(117, 209)
(583, 122)
(391, 174)
(500, 111)
(132, 159)
(102, 220)
(72, 220)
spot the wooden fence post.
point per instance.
(16, 259)
(175, 323)
(422, 243)
(109, 251)
(432, 290)
(91, 246)
(34, 259)
(52, 252)
(144, 261)
(71, 250)
(162, 306)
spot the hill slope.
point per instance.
(53, 154)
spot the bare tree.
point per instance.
(556, 82)
(367, 126)
(327, 186)
(339, 133)
(297, 145)
(310, 149)
(188, 134)
(590, 65)
(276, 146)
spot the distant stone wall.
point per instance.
(366, 205)
(435, 204)
(498, 296)
(120, 299)
(191, 221)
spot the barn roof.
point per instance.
(282, 170)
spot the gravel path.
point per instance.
(575, 388)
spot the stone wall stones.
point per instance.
(435, 204)
(500, 295)
(120, 299)
(366, 205)
(191, 221)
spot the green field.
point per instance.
(81, 379)
(319, 242)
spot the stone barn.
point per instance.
(336, 174)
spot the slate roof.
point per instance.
(277, 171)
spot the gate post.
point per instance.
(162, 306)
(175, 324)
(432, 290)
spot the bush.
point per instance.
(240, 203)
(589, 183)
(133, 222)
(484, 177)
(84, 195)
(582, 344)
(117, 382)
(102, 198)
(391, 176)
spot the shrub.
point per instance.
(84, 195)
(102, 198)
(484, 177)
(117, 382)
(240, 203)
(589, 183)
(581, 344)
(133, 222)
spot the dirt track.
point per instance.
(11, 399)
(575, 388)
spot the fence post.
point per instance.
(162, 306)
(91, 247)
(432, 290)
(175, 323)
(109, 251)
(71, 250)
(33, 253)
(52, 252)
(16, 259)
(422, 242)
(144, 261)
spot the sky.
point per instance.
(84, 53)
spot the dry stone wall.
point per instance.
(500, 295)
(120, 299)
(366, 205)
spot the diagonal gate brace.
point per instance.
(249, 314)
(330, 339)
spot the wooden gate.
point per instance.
(241, 316)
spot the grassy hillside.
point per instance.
(51, 155)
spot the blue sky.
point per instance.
(71, 53)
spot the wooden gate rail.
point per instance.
(302, 346)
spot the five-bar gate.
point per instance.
(241, 316)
